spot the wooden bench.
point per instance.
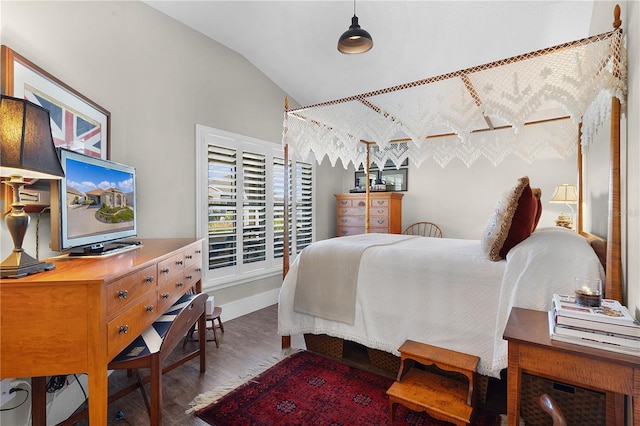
(444, 394)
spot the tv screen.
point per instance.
(93, 206)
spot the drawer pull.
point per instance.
(189, 277)
(122, 294)
(123, 329)
(179, 284)
(164, 271)
(148, 279)
(189, 256)
(380, 211)
(165, 295)
(179, 262)
(380, 202)
(198, 269)
(344, 211)
(198, 251)
(149, 308)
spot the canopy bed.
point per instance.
(454, 293)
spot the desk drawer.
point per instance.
(131, 323)
(169, 268)
(170, 292)
(121, 293)
(192, 275)
(193, 255)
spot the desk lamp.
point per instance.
(565, 194)
(26, 151)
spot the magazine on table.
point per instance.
(600, 336)
(592, 343)
(611, 316)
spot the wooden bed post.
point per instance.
(613, 285)
(286, 340)
(367, 197)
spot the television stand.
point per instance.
(105, 249)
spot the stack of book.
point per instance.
(610, 326)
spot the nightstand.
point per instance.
(532, 351)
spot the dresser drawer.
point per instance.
(131, 323)
(380, 202)
(379, 211)
(169, 268)
(351, 211)
(192, 275)
(349, 230)
(171, 291)
(121, 293)
(351, 221)
(193, 255)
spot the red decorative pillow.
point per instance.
(537, 192)
(512, 220)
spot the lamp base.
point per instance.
(19, 264)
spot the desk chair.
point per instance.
(152, 348)
(426, 229)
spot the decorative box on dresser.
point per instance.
(77, 317)
(385, 213)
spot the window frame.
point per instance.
(241, 273)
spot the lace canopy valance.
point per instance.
(524, 105)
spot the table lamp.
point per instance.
(565, 194)
(26, 151)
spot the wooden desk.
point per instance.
(531, 350)
(77, 317)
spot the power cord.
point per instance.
(26, 398)
(37, 234)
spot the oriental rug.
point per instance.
(310, 389)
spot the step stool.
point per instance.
(442, 396)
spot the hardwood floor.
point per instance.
(246, 344)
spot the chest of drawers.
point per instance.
(385, 213)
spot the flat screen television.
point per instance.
(93, 208)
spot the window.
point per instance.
(240, 189)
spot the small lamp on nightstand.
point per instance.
(26, 150)
(565, 194)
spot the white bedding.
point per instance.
(446, 293)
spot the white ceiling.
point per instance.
(294, 42)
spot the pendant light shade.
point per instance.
(355, 39)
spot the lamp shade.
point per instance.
(355, 39)
(26, 143)
(565, 193)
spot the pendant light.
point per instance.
(355, 39)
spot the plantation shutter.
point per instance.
(254, 212)
(304, 205)
(222, 206)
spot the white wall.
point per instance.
(158, 78)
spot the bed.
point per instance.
(456, 294)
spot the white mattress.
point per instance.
(446, 293)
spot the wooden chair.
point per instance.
(212, 317)
(152, 348)
(550, 406)
(426, 229)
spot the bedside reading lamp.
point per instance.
(565, 194)
(26, 150)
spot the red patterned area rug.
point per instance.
(310, 389)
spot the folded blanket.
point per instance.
(328, 274)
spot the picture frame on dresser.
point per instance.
(395, 178)
(77, 122)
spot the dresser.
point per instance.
(77, 317)
(385, 214)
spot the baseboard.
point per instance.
(247, 305)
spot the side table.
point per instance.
(531, 350)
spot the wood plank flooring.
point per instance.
(247, 342)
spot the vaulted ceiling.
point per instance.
(294, 42)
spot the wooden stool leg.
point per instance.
(215, 335)
(220, 323)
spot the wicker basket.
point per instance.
(579, 406)
(384, 360)
(324, 344)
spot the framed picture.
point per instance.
(396, 178)
(77, 123)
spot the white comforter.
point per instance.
(446, 293)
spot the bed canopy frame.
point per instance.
(523, 105)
